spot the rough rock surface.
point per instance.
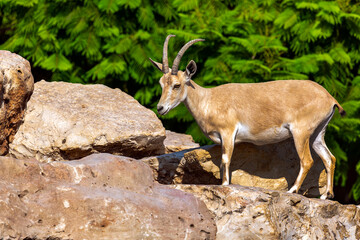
(70, 121)
(176, 142)
(101, 196)
(274, 166)
(16, 87)
(254, 213)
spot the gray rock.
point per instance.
(101, 196)
(254, 213)
(16, 87)
(70, 121)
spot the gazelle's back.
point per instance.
(273, 97)
(290, 93)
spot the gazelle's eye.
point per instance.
(177, 86)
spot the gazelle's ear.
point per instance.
(190, 70)
(156, 64)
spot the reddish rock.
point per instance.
(16, 87)
(101, 196)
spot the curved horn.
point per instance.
(176, 63)
(165, 66)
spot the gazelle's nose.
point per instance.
(159, 108)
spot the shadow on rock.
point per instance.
(273, 166)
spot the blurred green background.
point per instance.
(110, 41)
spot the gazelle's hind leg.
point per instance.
(328, 159)
(302, 144)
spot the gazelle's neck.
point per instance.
(197, 100)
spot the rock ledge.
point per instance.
(255, 213)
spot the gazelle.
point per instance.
(259, 113)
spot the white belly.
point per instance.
(243, 134)
(270, 135)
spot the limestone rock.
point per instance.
(101, 196)
(70, 121)
(16, 87)
(176, 142)
(273, 166)
(254, 213)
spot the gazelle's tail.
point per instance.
(341, 110)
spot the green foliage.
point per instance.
(109, 42)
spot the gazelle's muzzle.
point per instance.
(161, 110)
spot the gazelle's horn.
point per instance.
(175, 66)
(165, 66)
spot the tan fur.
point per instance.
(260, 113)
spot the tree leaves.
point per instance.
(129, 3)
(109, 6)
(339, 54)
(186, 5)
(286, 19)
(113, 65)
(56, 61)
(307, 5)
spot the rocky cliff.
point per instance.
(105, 193)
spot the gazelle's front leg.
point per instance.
(301, 140)
(227, 143)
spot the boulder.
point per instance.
(16, 87)
(254, 213)
(273, 166)
(176, 142)
(101, 196)
(70, 121)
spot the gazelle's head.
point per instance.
(174, 82)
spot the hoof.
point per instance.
(327, 195)
(292, 190)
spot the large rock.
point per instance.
(254, 213)
(274, 166)
(16, 87)
(70, 121)
(176, 142)
(101, 196)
